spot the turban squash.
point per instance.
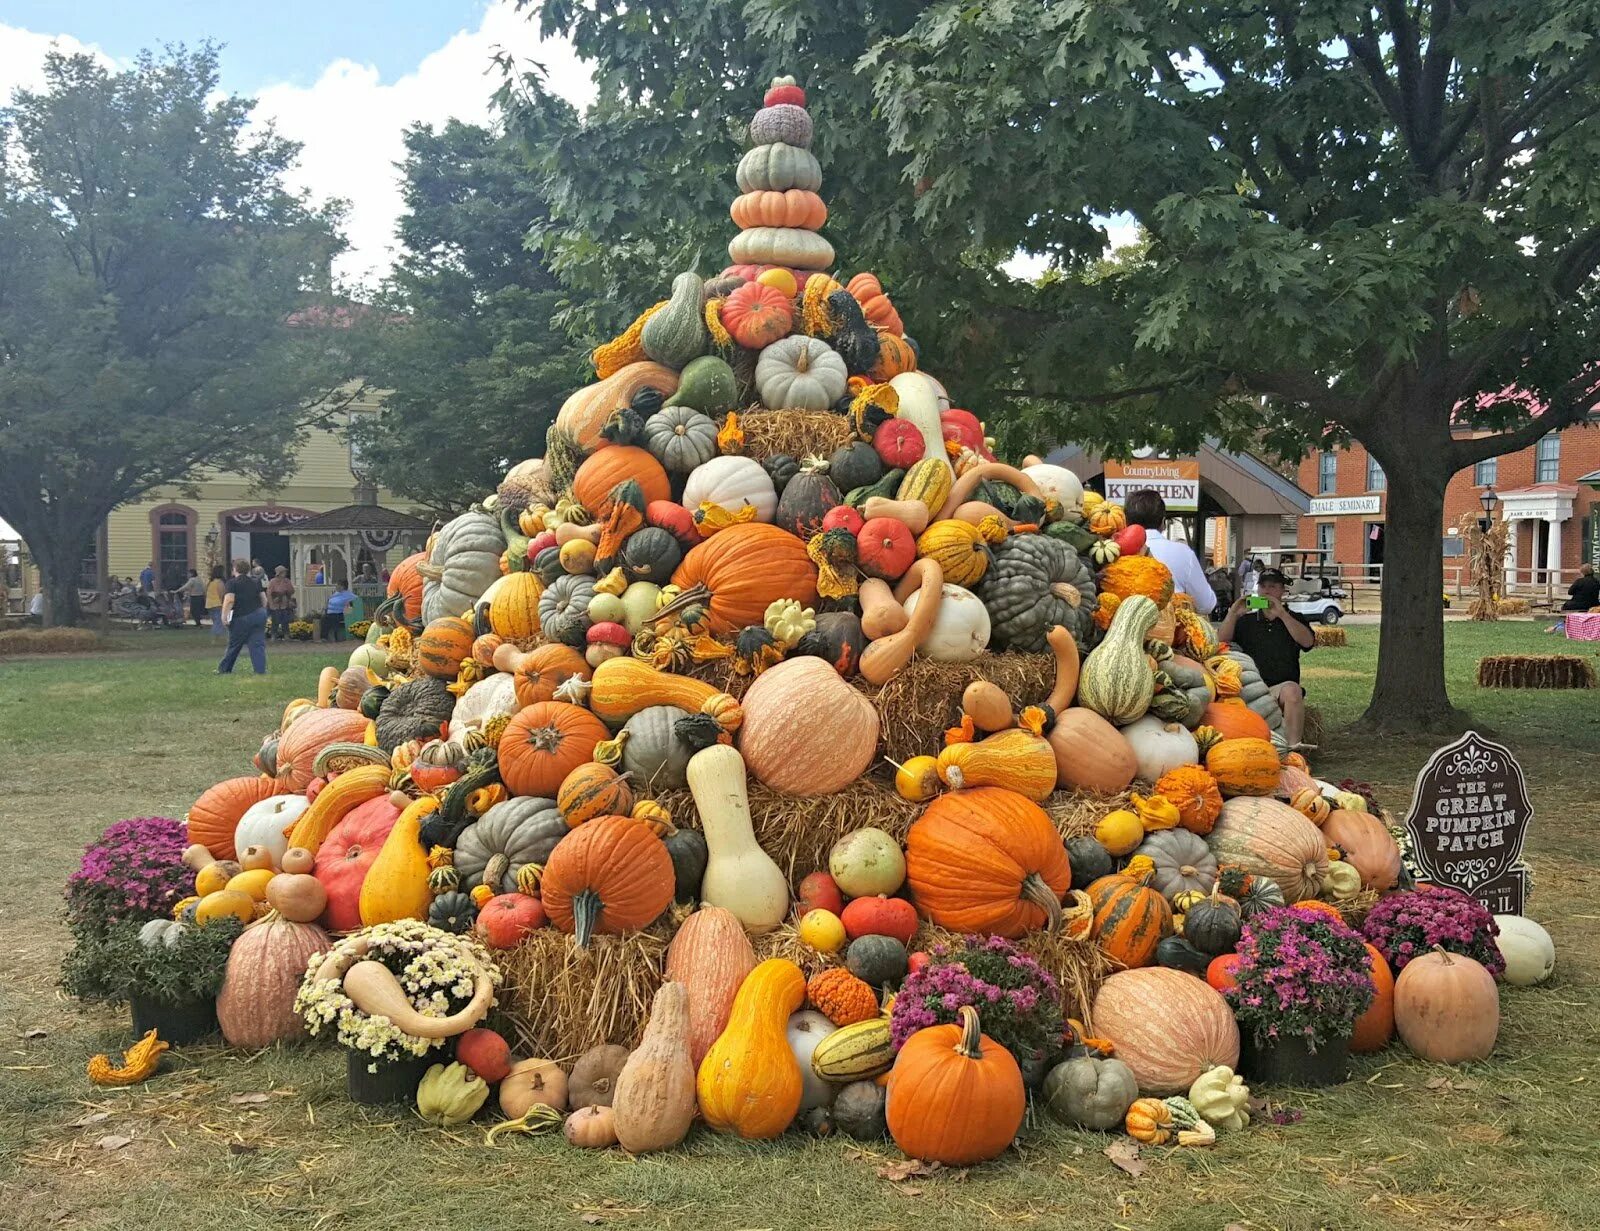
(744, 569)
(987, 860)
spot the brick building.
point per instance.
(1548, 495)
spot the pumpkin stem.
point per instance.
(691, 597)
(971, 1043)
(1036, 891)
(586, 908)
(495, 870)
(1067, 591)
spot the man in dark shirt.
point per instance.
(1275, 640)
(1583, 594)
(246, 617)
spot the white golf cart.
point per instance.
(1313, 593)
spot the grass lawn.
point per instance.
(143, 729)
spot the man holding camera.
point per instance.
(1262, 627)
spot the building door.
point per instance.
(172, 564)
(271, 549)
(1372, 534)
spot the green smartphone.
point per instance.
(1257, 603)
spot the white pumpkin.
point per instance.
(483, 701)
(806, 1029)
(1160, 746)
(960, 631)
(268, 822)
(1529, 952)
(732, 482)
(1057, 482)
(919, 404)
(371, 658)
(781, 246)
(800, 373)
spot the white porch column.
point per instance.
(1513, 539)
(1552, 559)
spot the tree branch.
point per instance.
(1577, 398)
(1552, 90)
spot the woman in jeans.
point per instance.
(216, 588)
(280, 602)
(246, 618)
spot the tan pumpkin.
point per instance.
(1271, 839)
(710, 956)
(1091, 754)
(806, 731)
(1367, 846)
(1447, 1008)
(265, 967)
(1168, 1026)
(584, 413)
(654, 1102)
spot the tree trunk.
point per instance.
(58, 576)
(1409, 693)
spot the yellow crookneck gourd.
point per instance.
(749, 1083)
(1016, 759)
(341, 794)
(138, 1062)
(396, 886)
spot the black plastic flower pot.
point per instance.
(395, 1081)
(1291, 1062)
(187, 1021)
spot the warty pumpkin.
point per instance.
(214, 816)
(1169, 1027)
(739, 572)
(806, 731)
(609, 876)
(1128, 575)
(987, 860)
(654, 1102)
(955, 1096)
(1194, 793)
(709, 956)
(265, 967)
(749, 1083)
(544, 743)
(1270, 839)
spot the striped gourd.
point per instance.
(1129, 918)
(957, 547)
(858, 1052)
(346, 791)
(1116, 681)
(929, 481)
(442, 646)
(593, 790)
(514, 607)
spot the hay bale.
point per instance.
(798, 433)
(1535, 671)
(1330, 635)
(919, 703)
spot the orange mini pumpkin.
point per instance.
(543, 743)
(757, 315)
(593, 790)
(954, 1096)
(1194, 793)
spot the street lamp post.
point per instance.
(211, 549)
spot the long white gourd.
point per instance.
(919, 404)
(740, 876)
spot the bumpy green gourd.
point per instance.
(450, 1094)
(678, 333)
(707, 384)
(1116, 681)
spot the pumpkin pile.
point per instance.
(658, 611)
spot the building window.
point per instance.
(89, 567)
(172, 545)
(1325, 537)
(1327, 472)
(1486, 473)
(1547, 459)
(1376, 481)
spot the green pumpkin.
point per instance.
(651, 554)
(1090, 861)
(1212, 925)
(689, 856)
(1088, 1092)
(453, 912)
(677, 333)
(707, 384)
(654, 756)
(1116, 681)
(777, 167)
(879, 961)
(854, 339)
(510, 835)
(680, 438)
(854, 465)
(1178, 954)
(1026, 591)
(858, 1111)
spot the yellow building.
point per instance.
(228, 516)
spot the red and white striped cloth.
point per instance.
(1583, 626)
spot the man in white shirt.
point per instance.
(1146, 508)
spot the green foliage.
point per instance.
(162, 297)
(115, 965)
(474, 370)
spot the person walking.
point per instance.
(1146, 508)
(194, 589)
(246, 618)
(147, 578)
(216, 588)
(280, 602)
(333, 618)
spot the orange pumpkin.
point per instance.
(606, 467)
(405, 583)
(1130, 918)
(895, 355)
(215, 815)
(867, 291)
(545, 742)
(609, 876)
(954, 1096)
(1235, 720)
(743, 570)
(1244, 766)
(1194, 793)
(593, 790)
(1367, 846)
(1375, 1027)
(442, 646)
(539, 672)
(584, 413)
(757, 315)
(795, 208)
(308, 734)
(987, 860)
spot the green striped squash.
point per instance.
(929, 481)
(442, 646)
(857, 1052)
(1116, 681)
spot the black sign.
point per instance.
(1468, 820)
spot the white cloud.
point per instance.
(22, 55)
(351, 122)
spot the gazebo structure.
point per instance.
(330, 550)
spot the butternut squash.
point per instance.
(974, 511)
(343, 793)
(621, 687)
(396, 885)
(740, 877)
(749, 1083)
(327, 685)
(912, 514)
(968, 482)
(568, 532)
(1065, 649)
(881, 613)
(886, 657)
(1016, 759)
(987, 705)
(654, 1102)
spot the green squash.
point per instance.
(1090, 861)
(1116, 681)
(858, 1111)
(678, 333)
(651, 554)
(886, 486)
(1029, 587)
(510, 835)
(1088, 1092)
(1178, 954)
(1183, 690)
(707, 384)
(879, 961)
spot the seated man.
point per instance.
(1275, 640)
(1583, 594)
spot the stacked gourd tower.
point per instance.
(780, 212)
